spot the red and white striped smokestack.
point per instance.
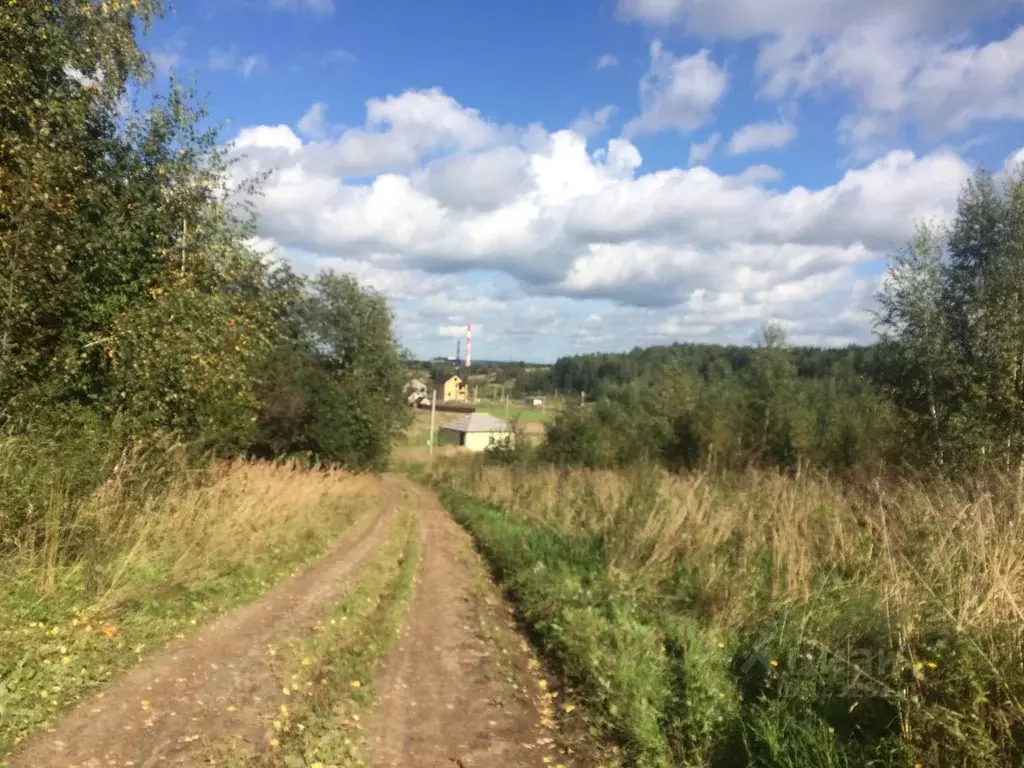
(469, 345)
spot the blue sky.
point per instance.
(581, 176)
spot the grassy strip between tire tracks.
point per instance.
(316, 721)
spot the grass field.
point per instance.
(91, 584)
(764, 620)
(523, 414)
(527, 418)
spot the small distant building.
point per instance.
(476, 432)
(451, 389)
(537, 402)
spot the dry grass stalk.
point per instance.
(934, 547)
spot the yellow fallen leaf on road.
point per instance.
(306, 662)
(232, 708)
(356, 684)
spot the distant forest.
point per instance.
(942, 388)
(597, 374)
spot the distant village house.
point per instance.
(451, 389)
(476, 432)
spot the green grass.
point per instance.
(655, 681)
(524, 414)
(77, 611)
(595, 636)
(317, 719)
(761, 621)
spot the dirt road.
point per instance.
(457, 690)
(460, 688)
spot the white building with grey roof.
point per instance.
(476, 432)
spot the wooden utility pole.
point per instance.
(433, 405)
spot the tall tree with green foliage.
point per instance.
(127, 285)
(128, 292)
(952, 315)
(332, 384)
(64, 68)
(912, 323)
(778, 428)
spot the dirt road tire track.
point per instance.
(439, 700)
(459, 689)
(163, 711)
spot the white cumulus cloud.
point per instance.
(677, 93)
(562, 227)
(905, 63)
(755, 136)
(701, 151)
(313, 124)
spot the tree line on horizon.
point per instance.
(942, 386)
(132, 304)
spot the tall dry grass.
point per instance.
(233, 515)
(105, 558)
(194, 523)
(900, 603)
(957, 544)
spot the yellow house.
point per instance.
(451, 389)
(476, 432)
